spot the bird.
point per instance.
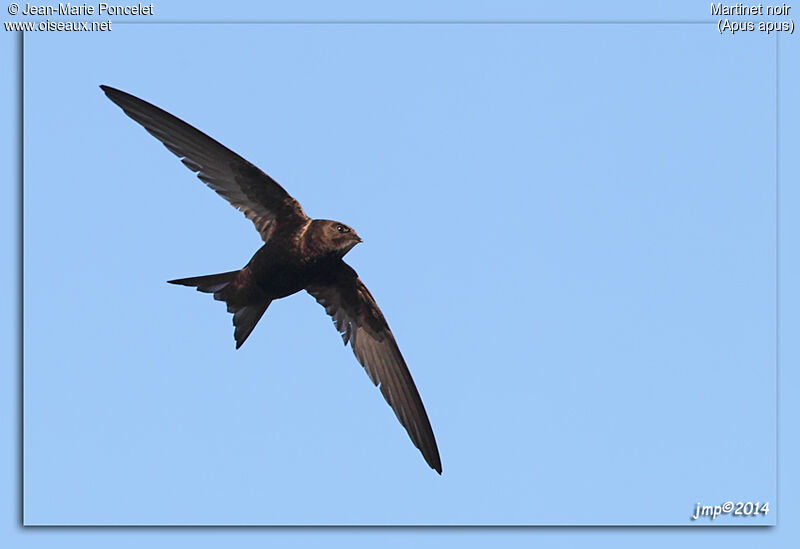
(299, 253)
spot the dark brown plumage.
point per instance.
(299, 253)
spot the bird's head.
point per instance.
(336, 237)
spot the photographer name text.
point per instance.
(102, 8)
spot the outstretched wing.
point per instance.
(247, 188)
(360, 321)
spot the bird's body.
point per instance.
(287, 265)
(297, 256)
(299, 253)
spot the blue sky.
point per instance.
(570, 228)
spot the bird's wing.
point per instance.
(360, 321)
(262, 200)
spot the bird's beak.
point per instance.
(359, 240)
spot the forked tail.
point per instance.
(246, 304)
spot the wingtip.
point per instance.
(433, 460)
(112, 93)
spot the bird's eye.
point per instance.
(342, 229)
